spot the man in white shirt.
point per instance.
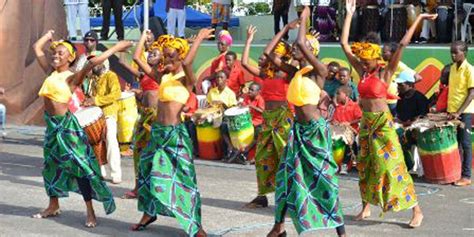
(73, 9)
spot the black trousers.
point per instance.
(107, 6)
(277, 15)
(85, 188)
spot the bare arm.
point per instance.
(39, 53)
(245, 54)
(392, 65)
(188, 60)
(129, 68)
(277, 37)
(467, 101)
(350, 9)
(138, 53)
(320, 69)
(77, 78)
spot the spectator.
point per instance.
(221, 13)
(219, 63)
(73, 8)
(331, 83)
(348, 113)
(460, 95)
(3, 114)
(176, 12)
(90, 43)
(236, 79)
(280, 11)
(107, 6)
(346, 80)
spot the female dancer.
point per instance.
(307, 182)
(277, 118)
(167, 180)
(148, 102)
(383, 177)
(70, 164)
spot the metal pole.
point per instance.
(146, 12)
(456, 19)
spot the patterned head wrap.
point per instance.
(178, 44)
(282, 49)
(224, 36)
(69, 47)
(366, 51)
(314, 42)
(155, 45)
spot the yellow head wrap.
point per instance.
(365, 50)
(281, 49)
(314, 42)
(162, 39)
(180, 45)
(154, 46)
(68, 46)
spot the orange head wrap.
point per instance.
(365, 50)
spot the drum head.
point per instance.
(126, 94)
(88, 115)
(234, 111)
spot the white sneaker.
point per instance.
(343, 170)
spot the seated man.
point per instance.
(347, 113)
(223, 97)
(412, 104)
(3, 114)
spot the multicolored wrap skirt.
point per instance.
(166, 178)
(270, 144)
(67, 157)
(383, 176)
(142, 134)
(307, 187)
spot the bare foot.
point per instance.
(91, 220)
(362, 215)
(416, 220)
(48, 212)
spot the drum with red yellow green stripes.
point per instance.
(209, 141)
(438, 149)
(338, 149)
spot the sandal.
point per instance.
(258, 202)
(43, 215)
(140, 226)
(130, 195)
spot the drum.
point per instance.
(209, 137)
(92, 120)
(240, 125)
(395, 28)
(369, 19)
(342, 138)
(438, 149)
(444, 24)
(412, 13)
(126, 119)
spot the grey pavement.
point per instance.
(448, 210)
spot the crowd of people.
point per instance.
(294, 101)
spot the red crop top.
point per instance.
(273, 89)
(148, 84)
(372, 87)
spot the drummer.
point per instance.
(223, 97)
(105, 92)
(347, 113)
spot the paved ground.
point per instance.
(449, 211)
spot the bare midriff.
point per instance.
(169, 113)
(150, 99)
(55, 108)
(374, 105)
(271, 105)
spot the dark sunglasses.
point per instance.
(89, 40)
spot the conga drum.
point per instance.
(395, 25)
(241, 131)
(209, 137)
(92, 121)
(126, 119)
(444, 24)
(342, 138)
(438, 149)
(369, 19)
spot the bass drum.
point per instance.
(412, 13)
(369, 20)
(444, 24)
(398, 25)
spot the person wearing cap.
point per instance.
(73, 8)
(105, 93)
(91, 39)
(411, 105)
(107, 6)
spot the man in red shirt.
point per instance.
(347, 112)
(236, 80)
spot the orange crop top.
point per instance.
(273, 89)
(372, 87)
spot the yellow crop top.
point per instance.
(56, 88)
(171, 89)
(302, 90)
